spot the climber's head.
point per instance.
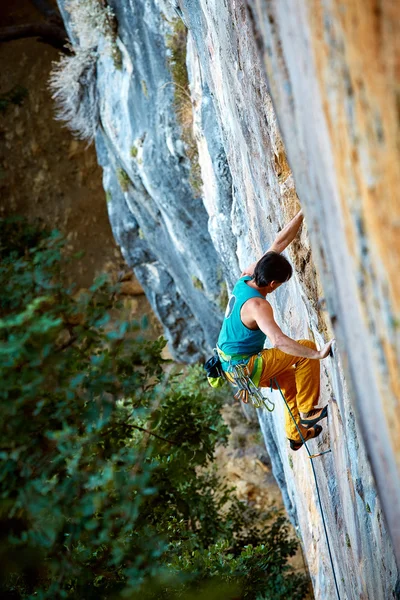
(271, 271)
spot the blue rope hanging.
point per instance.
(311, 457)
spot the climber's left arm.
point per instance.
(282, 240)
(287, 234)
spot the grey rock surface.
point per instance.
(265, 194)
(226, 42)
(174, 239)
(330, 71)
(146, 177)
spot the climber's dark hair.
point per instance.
(272, 267)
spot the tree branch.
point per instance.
(51, 34)
(151, 433)
(159, 437)
(67, 344)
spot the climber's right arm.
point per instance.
(264, 316)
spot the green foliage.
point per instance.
(134, 151)
(107, 485)
(15, 96)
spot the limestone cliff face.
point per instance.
(333, 74)
(158, 221)
(185, 245)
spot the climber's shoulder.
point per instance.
(256, 305)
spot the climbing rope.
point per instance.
(311, 457)
(245, 384)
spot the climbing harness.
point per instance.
(311, 457)
(248, 390)
(247, 383)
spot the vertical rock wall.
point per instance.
(224, 39)
(183, 246)
(159, 222)
(333, 71)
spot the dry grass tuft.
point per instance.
(74, 88)
(91, 19)
(73, 80)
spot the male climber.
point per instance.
(249, 318)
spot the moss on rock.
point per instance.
(123, 179)
(176, 43)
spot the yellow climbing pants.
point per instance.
(298, 378)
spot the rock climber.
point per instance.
(249, 319)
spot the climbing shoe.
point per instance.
(312, 432)
(311, 419)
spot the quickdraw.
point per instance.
(247, 383)
(248, 389)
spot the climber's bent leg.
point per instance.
(307, 373)
(287, 383)
(299, 382)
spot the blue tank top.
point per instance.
(235, 338)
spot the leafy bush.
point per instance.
(107, 488)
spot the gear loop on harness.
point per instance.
(239, 376)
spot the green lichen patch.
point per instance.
(368, 508)
(348, 543)
(144, 89)
(134, 151)
(116, 55)
(108, 196)
(123, 179)
(141, 234)
(223, 296)
(197, 283)
(195, 179)
(290, 459)
(395, 322)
